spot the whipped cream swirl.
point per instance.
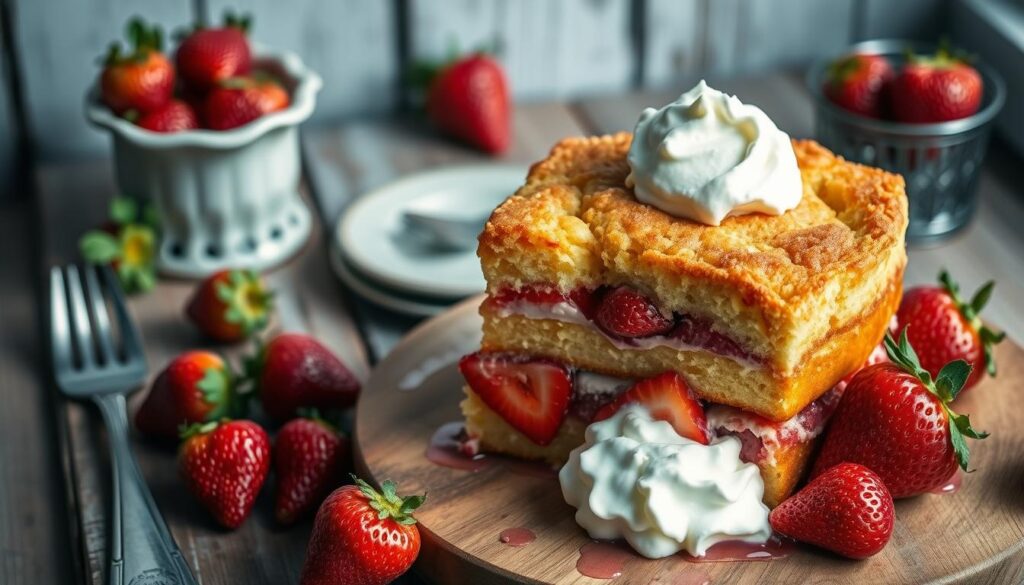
(707, 156)
(636, 478)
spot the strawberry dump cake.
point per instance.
(705, 267)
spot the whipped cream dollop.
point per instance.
(707, 156)
(636, 478)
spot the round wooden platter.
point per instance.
(975, 535)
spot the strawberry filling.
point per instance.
(530, 383)
(625, 317)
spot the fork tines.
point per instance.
(85, 335)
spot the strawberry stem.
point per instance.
(388, 503)
(971, 310)
(946, 386)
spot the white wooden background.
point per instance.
(551, 48)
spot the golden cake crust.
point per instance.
(776, 284)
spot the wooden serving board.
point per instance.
(975, 535)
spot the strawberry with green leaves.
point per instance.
(224, 465)
(128, 243)
(207, 56)
(196, 387)
(295, 371)
(362, 537)
(468, 99)
(858, 83)
(230, 305)
(943, 327)
(895, 419)
(141, 80)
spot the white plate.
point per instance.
(373, 238)
(405, 304)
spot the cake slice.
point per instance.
(762, 315)
(766, 313)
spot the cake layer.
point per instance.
(777, 285)
(714, 377)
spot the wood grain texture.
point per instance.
(549, 49)
(73, 198)
(689, 38)
(59, 43)
(347, 162)
(9, 137)
(33, 511)
(466, 511)
(989, 248)
(350, 43)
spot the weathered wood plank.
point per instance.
(549, 49)
(346, 162)
(786, 33)
(73, 198)
(673, 43)
(34, 541)
(988, 249)
(10, 157)
(350, 43)
(58, 44)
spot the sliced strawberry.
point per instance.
(531, 394)
(668, 398)
(626, 313)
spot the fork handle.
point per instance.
(142, 549)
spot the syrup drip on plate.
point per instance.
(950, 487)
(517, 536)
(603, 560)
(448, 448)
(777, 547)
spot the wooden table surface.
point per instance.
(53, 469)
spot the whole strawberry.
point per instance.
(224, 465)
(624, 312)
(896, 420)
(175, 116)
(943, 327)
(310, 456)
(237, 101)
(858, 83)
(142, 80)
(230, 305)
(295, 371)
(935, 88)
(195, 387)
(362, 537)
(208, 56)
(847, 510)
(469, 100)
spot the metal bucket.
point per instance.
(940, 162)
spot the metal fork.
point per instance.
(89, 361)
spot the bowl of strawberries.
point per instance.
(209, 136)
(923, 111)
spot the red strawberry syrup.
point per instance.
(517, 536)
(736, 550)
(447, 448)
(603, 560)
(451, 447)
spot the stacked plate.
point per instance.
(417, 267)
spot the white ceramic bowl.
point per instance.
(224, 198)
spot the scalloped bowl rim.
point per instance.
(303, 97)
